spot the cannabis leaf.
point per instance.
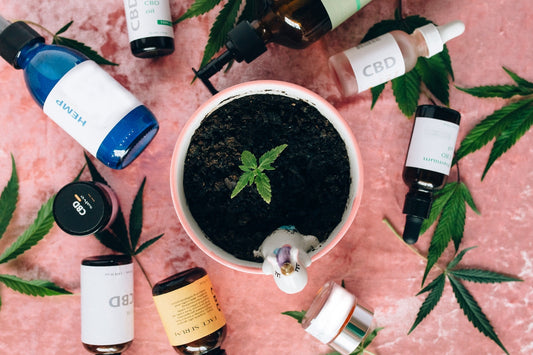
(299, 316)
(117, 237)
(506, 125)
(450, 204)
(466, 301)
(29, 238)
(225, 21)
(79, 46)
(434, 72)
(253, 173)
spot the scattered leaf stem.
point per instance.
(143, 271)
(40, 26)
(391, 227)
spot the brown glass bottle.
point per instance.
(107, 303)
(291, 23)
(172, 298)
(428, 163)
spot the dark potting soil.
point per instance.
(310, 183)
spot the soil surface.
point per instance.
(310, 183)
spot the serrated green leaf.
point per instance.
(458, 258)
(269, 157)
(406, 90)
(64, 28)
(368, 340)
(0, 302)
(376, 92)
(518, 80)
(136, 216)
(445, 57)
(32, 287)
(467, 196)
(441, 198)
(82, 48)
(199, 7)
(111, 241)
(473, 312)
(249, 12)
(119, 229)
(482, 276)
(77, 178)
(296, 315)
(435, 289)
(31, 236)
(95, 175)
(503, 91)
(490, 127)
(246, 179)
(223, 24)
(434, 74)
(510, 135)
(262, 183)
(248, 160)
(9, 198)
(450, 226)
(147, 244)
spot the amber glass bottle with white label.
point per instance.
(388, 56)
(190, 313)
(428, 163)
(106, 283)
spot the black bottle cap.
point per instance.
(82, 208)
(15, 37)
(244, 43)
(440, 112)
(417, 207)
(412, 228)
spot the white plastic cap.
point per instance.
(435, 37)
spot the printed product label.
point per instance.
(340, 10)
(148, 18)
(106, 304)
(432, 145)
(190, 313)
(87, 103)
(376, 61)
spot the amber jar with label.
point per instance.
(190, 313)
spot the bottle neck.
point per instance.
(421, 47)
(27, 53)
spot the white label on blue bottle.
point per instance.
(376, 61)
(432, 145)
(340, 10)
(106, 304)
(87, 103)
(148, 18)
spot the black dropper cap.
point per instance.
(14, 37)
(417, 207)
(244, 43)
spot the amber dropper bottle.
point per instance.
(190, 313)
(291, 23)
(428, 163)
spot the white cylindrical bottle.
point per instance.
(106, 284)
(388, 56)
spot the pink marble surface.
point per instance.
(374, 264)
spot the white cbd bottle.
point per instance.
(388, 56)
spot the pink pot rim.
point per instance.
(193, 122)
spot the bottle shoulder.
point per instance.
(412, 46)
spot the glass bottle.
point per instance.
(291, 23)
(190, 313)
(428, 163)
(388, 56)
(85, 207)
(78, 95)
(150, 28)
(336, 319)
(106, 283)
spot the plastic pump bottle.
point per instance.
(291, 23)
(388, 56)
(78, 95)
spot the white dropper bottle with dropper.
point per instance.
(388, 56)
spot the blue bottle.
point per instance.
(91, 106)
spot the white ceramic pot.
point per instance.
(252, 88)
